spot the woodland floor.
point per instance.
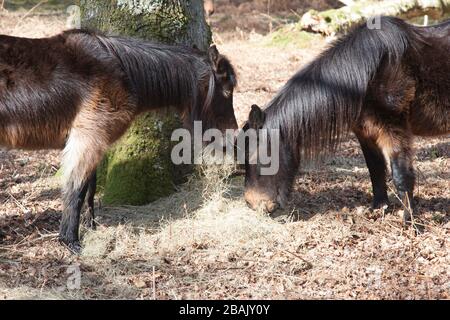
(328, 244)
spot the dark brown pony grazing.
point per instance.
(386, 85)
(80, 91)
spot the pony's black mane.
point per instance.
(160, 75)
(317, 105)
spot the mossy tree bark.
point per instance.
(340, 20)
(138, 169)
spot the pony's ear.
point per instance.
(256, 118)
(213, 55)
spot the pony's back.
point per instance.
(320, 103)
(41, 86)
(159, 75)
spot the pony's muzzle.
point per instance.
(260, 201)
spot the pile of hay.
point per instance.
(208, 219)
(204, 242)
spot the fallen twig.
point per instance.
(309, 265)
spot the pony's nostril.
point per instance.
(272, 206)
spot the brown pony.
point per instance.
(386, 85)
(80, 91)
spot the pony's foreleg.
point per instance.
(404, 176)
(376, 164)
(396, 145)
(82, 154)
(73, 200)
(89, 216)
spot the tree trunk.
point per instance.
(138, 169)
(340, 20)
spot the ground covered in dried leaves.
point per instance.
(208, 244)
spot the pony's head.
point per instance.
(217, 111)
(267, 191)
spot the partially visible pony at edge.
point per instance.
(386, 85)
(80, 91)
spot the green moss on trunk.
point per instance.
(153, 20)
(138, 170)
(168, 21)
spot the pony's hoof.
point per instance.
(88, 220)
(380, 204)
(90, 224)
(73, 246)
